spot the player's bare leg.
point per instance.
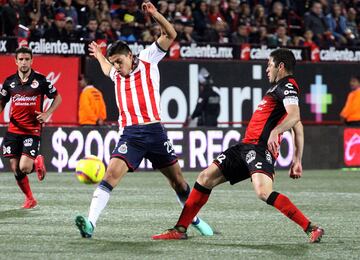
(263, 186)
(20, 169)
(115, 172)
(206, 181)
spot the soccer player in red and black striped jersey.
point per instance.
(26, 89)
(255, 156)
(137, 93)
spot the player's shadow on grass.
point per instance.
(289, 250)
(100, 245)
(15, 213)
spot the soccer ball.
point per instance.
(90, 170)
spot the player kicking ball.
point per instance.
(26, 88)
(255, 156)
(137, 85)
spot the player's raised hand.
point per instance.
(41, 116)
(94, 50)
(295, 170)
(148, 8)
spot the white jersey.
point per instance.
(138, 94)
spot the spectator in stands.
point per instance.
(56, 31)
(308, 40)
(103, 10)
(280, 38)
(70, 33)
(116, 27)
(179, 28)
(241, 35)
(337, 24)
(244, 14)
(315, 22)
(352, 32)
(259, 36)
(201, 20)
(105, 29)
(276, 16)
(155, 31)
(146, 36)
(32, 11)
(35, 33)
(214, 12)
(258, 18)
(189, 35)
(350, 114)
(82, 11)
(92, 109)
(127, 33)
(12, 15)
(47, 13)
(231, 14)
(69, 11)
(218, 33)
(91, 32)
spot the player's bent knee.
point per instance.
(25, 169)
(261, 194)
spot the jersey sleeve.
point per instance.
(48, 89)
(152, 54)
(112, 73)
(4, 93)
(289, 94)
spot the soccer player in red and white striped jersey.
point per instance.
(136, 81)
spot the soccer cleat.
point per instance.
(203, 227)
(170, 234)
(85, 227)
(315, 233)
(29, 203)
(40, 167)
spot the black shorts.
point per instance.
(240, 161)
(145, 141)
(15, 145)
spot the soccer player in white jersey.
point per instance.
(137, 89)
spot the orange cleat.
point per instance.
(170, 234)
(40, 167)
(29, 203)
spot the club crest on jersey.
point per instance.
(34, 84)
(250, 156)
(28, 142)
(268, 156)
(123, 148)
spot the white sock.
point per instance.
(98, 203)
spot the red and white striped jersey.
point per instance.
(138, 94)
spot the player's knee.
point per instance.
(262, 194)
(25, 169)
(205, 180)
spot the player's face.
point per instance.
(122, 63)
(24, 62)
(271, 71)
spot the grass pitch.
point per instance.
(143, 205)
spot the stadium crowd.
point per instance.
(321, 23)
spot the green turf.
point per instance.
(143, 205)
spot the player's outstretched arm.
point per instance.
(96, 52)
(43, 116)
(168, 33)
(295, 171)
(293, 116)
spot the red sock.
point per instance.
(283, 204)
(197, 198)
(25, 187)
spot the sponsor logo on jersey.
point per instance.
(287, 92)
(28, 142)
(268, 156)
(123, 148)
(34, 84)
(3, 92)
(250, 156)
(12, 84)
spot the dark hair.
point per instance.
(23, 49)
(357, 77)
(118, 47)
(285, 56)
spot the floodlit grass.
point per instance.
(143, 205)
